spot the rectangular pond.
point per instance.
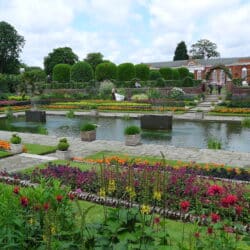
(184, 133)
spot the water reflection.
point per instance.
(184, 133)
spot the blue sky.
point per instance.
(127, 30)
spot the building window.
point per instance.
(199, 75)
(214, 76)
(244, 73)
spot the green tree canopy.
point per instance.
(94, 59)
(204, 49)
(106, 71)
(181, 52)
(11, 44)
(81, 72)
(142, 71)
(126, 71)
(61, 72)
(60, 55)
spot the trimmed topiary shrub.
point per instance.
(183, 72)
(106, 71)
(61, 73)
(175, 74)
(154, 74)
(142, 71)
(81, 72)
(188, 82)
(132, 130)
(126, 72)
(15, 139)
(88, 127)
(63, 145)
(167, 73)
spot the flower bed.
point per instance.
(4, 145)
(157, 186)
(231, 110)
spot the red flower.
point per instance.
(71, 196)
(37, 207)
(214, 217)
(185, 205)
(238, 209)
(229, 200)
(24, 201)
(215, 189)
(197, 235)
(209, 230)
(16, 190)
(59, 198)
(46, 206)
(156, 220)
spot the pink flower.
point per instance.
(185, 205)
(46, 206)
(16, 190)
(229, 200)
(238, 209)
(197, 235)
(209, 230)
(215, 189)
(215, 217)
(156, 220)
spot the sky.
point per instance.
(127, 30)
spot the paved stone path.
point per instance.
(81, 149)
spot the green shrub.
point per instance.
(105, 89)
(9, 83)
(88, 127)
(9, 113)
(132, 130)
(213, 144)
(70, 114)
(139, 97)
(183, 72)
(175, 74)
(188, 82)
(106, 71)
(61, 73)
(35, 75)
(63, 144)
(167, 73)
(81, 72)
(142, 71)
(15, 139)
(176, 93)
(154, 93)
(246, 122)
(126, 72)
(154, 74)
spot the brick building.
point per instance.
(239, 67)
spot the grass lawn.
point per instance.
(4, 154)
(39, 149)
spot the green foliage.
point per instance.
(34, 75)
(184, 72)
(9, 113)
(188, 82)
(11, 44)
(181, 52)
(59, 56)
(139, 97)
(132, 130)
(70, 114)
(204, 49)
(9, 83)
(106, 71)
(154, 74)
(105, 89)
(154, 93)
(61, 73)
(15, 139)
(94, 59)
(88, 127)
(81, 72)
(63, 144)
(213, 144)
(246, 122)
(175, 74)
(176, 93)
(142, 71)
(126, 72)
(167, 73)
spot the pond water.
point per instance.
(184, 133)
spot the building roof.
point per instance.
(203, 62)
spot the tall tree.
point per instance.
(94, 59)
(63, 55)
(204, 49)
(11, 44)
(181, 52)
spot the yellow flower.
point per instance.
(102, 192)
(157, 195)
(53, 230)
(31, 221)
(130, 191)
(111, 186)
(145, 209)
(44, 238)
